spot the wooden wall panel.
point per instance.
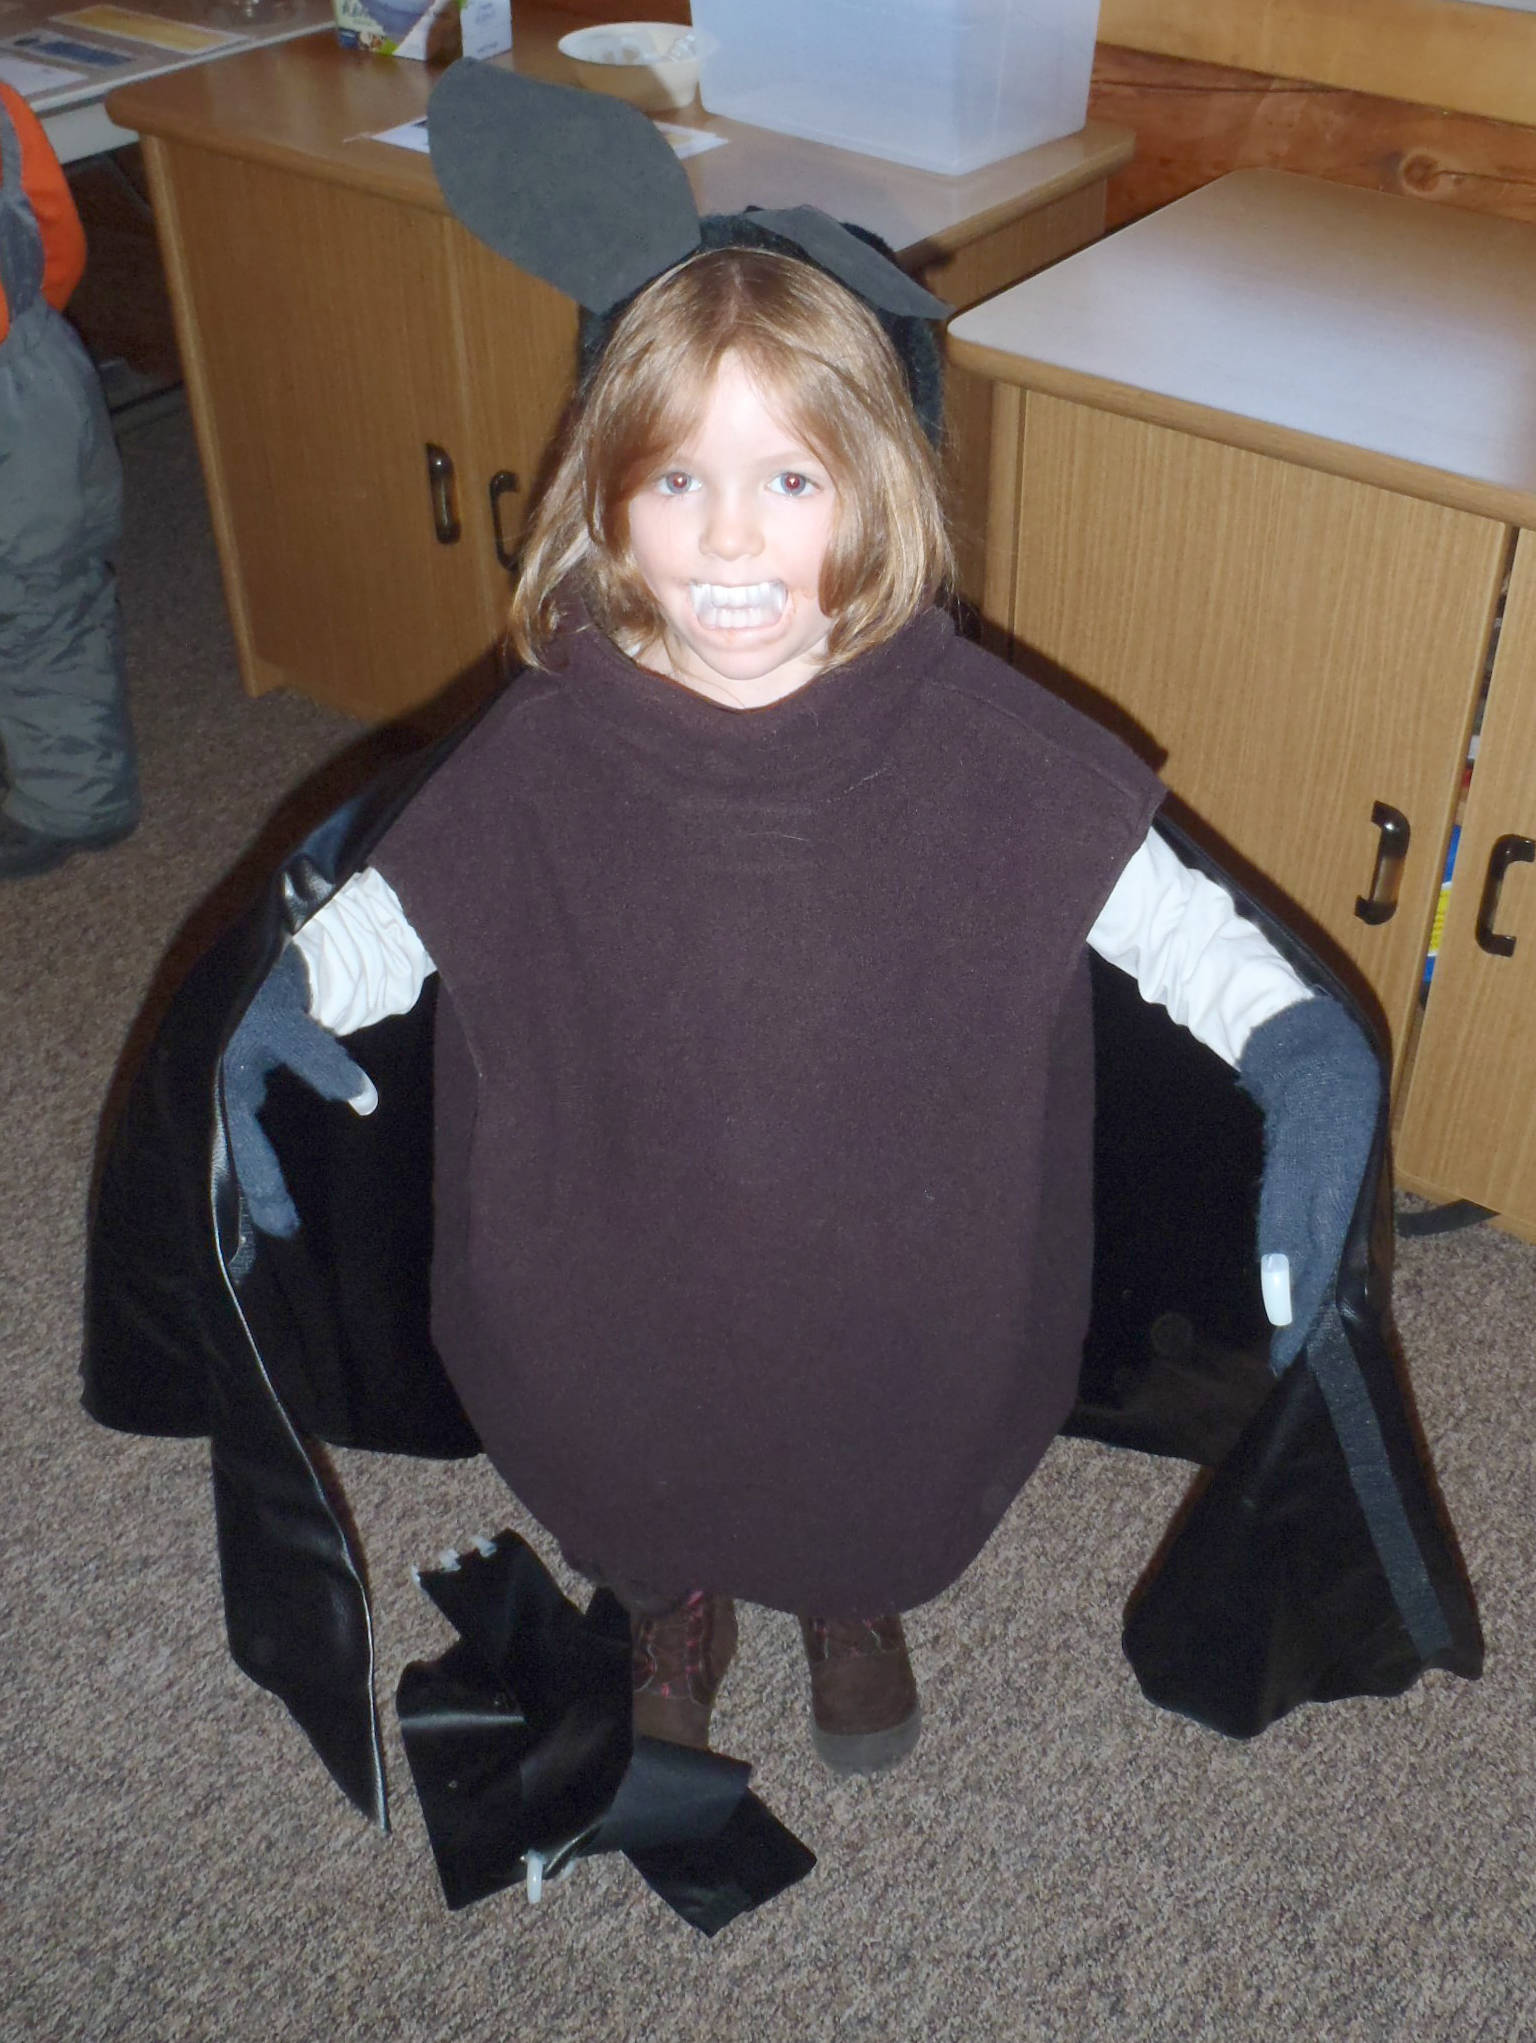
(1442, 53)
(1195, 122)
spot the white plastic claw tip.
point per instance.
(537, 1865)
(1275, 1283)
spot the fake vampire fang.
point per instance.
(724, 606)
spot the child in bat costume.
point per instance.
(761, 906)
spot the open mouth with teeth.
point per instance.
(727, 606)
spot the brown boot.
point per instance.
(864, 1708)
(679, 1662)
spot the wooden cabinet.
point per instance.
(374, 391)
(350, 425)
(1263, 464)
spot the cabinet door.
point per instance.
(1468, 1127)
(316, 327)
(1294, 648)
(518, 364)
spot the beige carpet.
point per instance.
(1059, 1860)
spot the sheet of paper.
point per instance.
(689, 141)
(68, 49)
(686, 141)
(410, 135)
(28, 78)
(155, 29)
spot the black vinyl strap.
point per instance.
(1332, 1361)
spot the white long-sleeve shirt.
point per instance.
(1175, 931)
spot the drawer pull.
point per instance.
(445, 517)
(1380, 905)
(503, 483)
(1506, 852)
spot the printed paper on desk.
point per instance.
(410, 135)
(65, 49)
(31, 79)
(133, 27)
(689, 141)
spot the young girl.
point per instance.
(761, 904)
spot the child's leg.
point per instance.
(69, 759)
(864, 1708)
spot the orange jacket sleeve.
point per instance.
(44, 182)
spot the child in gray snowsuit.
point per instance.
(70, 779)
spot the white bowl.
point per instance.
(629, 60)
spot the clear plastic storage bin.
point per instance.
(946, 85)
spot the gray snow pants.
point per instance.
(64, 731)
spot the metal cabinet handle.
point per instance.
(503, 483)
(1380, 904)
(1506, 852)
(440, 482)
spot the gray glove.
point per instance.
(1319, 1083)
(277, 1030)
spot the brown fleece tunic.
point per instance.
(764, 1106)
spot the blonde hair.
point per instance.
(818, 354)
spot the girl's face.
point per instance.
(729, 538)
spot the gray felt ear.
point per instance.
(852, 261)
(576, 187)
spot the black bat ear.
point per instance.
(854, 261)
(575, 187)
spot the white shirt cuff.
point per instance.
(1180, 937)
(363, 958)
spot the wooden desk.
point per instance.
(1264, 463)
(341, 334)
